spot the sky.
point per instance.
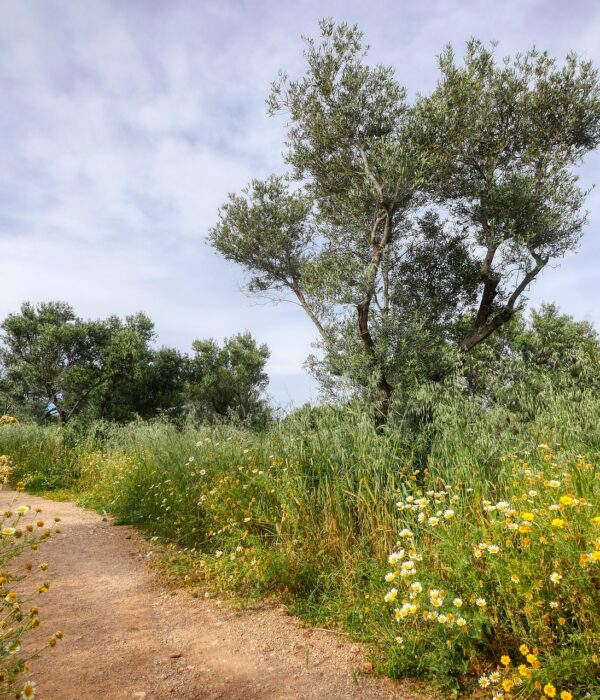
(124, 124)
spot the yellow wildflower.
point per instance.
(524, 671)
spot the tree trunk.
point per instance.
(62, 416)
(382, 405)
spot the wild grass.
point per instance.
(308, 510)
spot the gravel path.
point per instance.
(127, 636)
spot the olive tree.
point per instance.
(399, 225)
(228, 381)
(57, 362)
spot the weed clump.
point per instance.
(22, 530)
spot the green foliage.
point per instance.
(8, 392)
(546, 351)
(414, 231)
(54, 364)
(57, 362)
(506, 137)
(505, 587)
(155, 384)
(43, 458)
(560, 348)
(344, 113)
(229, 381)
(52, 356)
(274, 257)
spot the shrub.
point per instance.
(40, 456)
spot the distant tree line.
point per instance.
(55, 366)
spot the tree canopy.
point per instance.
(53, 358)
(410, 232)
(53, 364)
(229, 381)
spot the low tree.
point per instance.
(58, 361)
(229, 381)
(556, 343)
(51, 354)
(408, 221)
(164, 384)
(126, 354)
(156, 384)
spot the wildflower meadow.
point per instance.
(477, 570)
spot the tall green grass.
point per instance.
(308, 508)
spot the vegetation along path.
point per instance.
(127, 636)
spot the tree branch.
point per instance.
(363, 313)
(490, 286)
(369, 173)
(313, 316)
(86, 394)
(484, 330)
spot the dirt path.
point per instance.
(126, 636)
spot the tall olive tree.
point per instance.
(328, 241)
(399, 224)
